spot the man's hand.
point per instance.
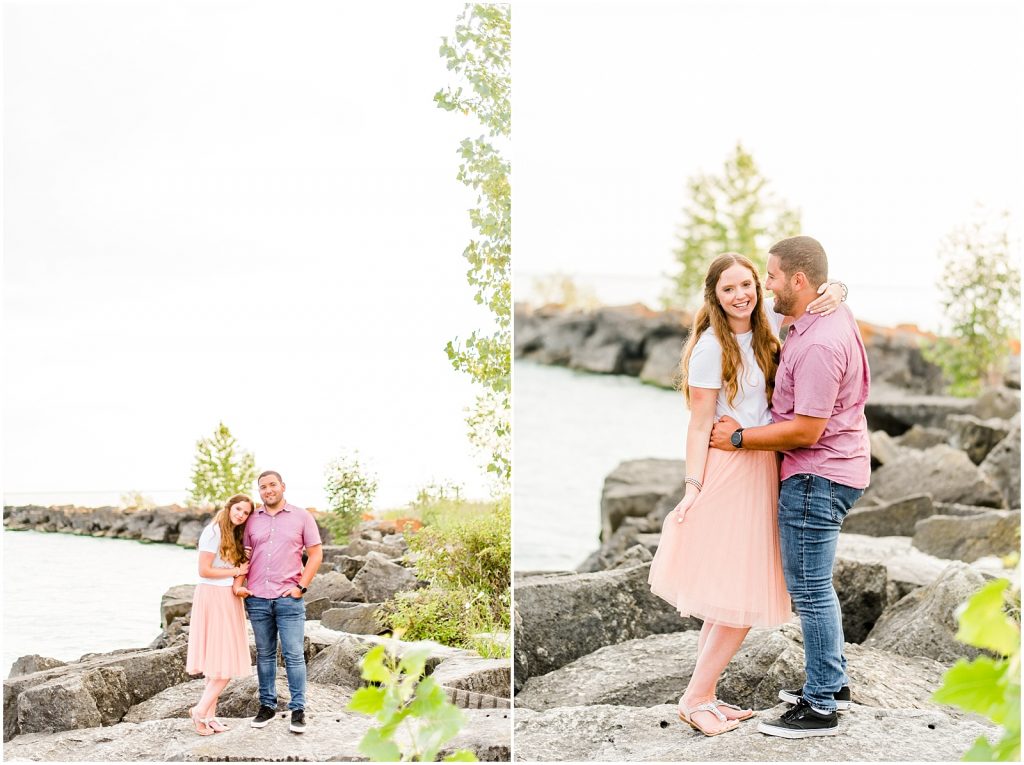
(722, 433)
(242, 592)
(295, 592)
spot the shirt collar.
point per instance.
(263, 508)
(804, 323)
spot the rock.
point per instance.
(379, 579)
(349, 565)
(945, 473)
(239, 699)
(339, 664)
(661, 366)
(656, 670)
(636, 555)
(189, 533)
(895, 411)
(607, 733)
(969, 537)
(331, 736)
(863, 593)
(97, 690)
(974, 436)
(599, 358)
(563, 617)
(887, 519)
(356, 618)
(360, 548)
(884, 448)
(560, 336)
(905, 565)
(333, 586)
(315, 607)
(26, 665)
(1002, 466)
(1002, 403)
(492, 677)
(635, 487)
(923, 622)
(919, 437)
(176, 602)
(624, 537)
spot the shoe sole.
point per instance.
(770, 730)
(841, 706)
(296, 729)
(254, 724)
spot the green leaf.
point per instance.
(373, 665)
(984, 623)
(977, 686)
(414, 662)
(980, 752)
(462, 755)
(368, 700)
(378, 748)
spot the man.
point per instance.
(275, 535)
(818, 423)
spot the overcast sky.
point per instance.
(883, 121)
(231, 210)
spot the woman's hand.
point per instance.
(684, 504)
(241, 592)
(243, 569)
(832, 294)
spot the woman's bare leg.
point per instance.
(720, 645)
(207, 706)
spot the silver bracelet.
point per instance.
(695, 482)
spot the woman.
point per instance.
(719, 554)
(217, 643)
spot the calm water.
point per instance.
(66, 595)
(571, 430)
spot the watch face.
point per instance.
(737, 438)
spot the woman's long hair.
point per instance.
(231, 549)
(766, 345)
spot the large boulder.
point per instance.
(559, 336)
(969, 537)
(176, 603)
(361, 547)
(622, 539)
(565, 616)
(189, 533)
(919, 437)
(887, 519)
(355, 618)
(334, 735)
(340, 663)
(974, 436)
(635, 487)
(895, 411)
(884, 448)
(608, 733)
(661, 367)
(333, 586)
(26, 665)
(656, 669)
(1002, 403)
(379, 579)
(492, 677)
(947, 474)
(862, 589)
(923, 623)
(1002, 466)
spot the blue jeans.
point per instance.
(284, 616)
(811, 512)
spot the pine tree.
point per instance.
(221, 469)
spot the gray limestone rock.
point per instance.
(1002, 466)
(26, 665)
(969, 537)
(356, 618)
(887, 519)
(333, 586)
(379, 579)
(175, 603)
(945, 473)
(492, 677)
(634, 489)
(976, 437)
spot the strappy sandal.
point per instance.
(720, 703)
(215, 725)
(686, 715)
(201, 727)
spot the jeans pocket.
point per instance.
(843, 498)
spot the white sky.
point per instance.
(884, 122)
(231, 210)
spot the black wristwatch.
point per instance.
(303, 589)
(737, 438)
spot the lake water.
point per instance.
(571, 430)
(66, 595)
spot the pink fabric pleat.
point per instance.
(722, 563)
(217, 644)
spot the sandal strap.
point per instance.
(720, 703)
(709, 706)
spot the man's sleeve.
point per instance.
(246, 538)
(310, 533)
(817, 374)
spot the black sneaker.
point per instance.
(265, 715)
(298, 724)
(842, 697)
(801, 722)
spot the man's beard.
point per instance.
(784, 303)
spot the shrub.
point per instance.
(350, 489)
(221, 469)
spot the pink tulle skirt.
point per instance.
(217, 642)
(722, 563)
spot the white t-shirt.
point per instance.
(750, 407)
(209, 541)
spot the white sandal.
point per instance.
(686, 715)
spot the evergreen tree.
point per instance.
(221, 469)
(731, 212)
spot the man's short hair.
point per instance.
(265, 473)
(802, 254)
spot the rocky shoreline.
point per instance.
(599, 661)
(133, 704)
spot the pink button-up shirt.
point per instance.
(275, 563)
(823, 372)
